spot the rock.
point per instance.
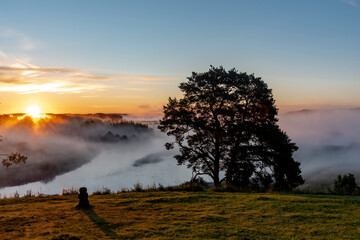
(83, 199)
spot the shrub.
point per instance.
(161, 187)
(16, 194)
(194, 185)
(152, 188)
(40, 194)
(103, 191)
(123, 190)
(138, 187)
(28, 193)
(71, 191)
(345, 185)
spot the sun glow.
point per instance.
(33, 111)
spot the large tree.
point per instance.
(226, 127)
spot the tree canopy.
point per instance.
(13, 158)
(225, 126)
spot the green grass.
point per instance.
(182, 215)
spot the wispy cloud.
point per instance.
(350, 2)
(20, 76)
(89, 96)
(3, 55)
(59, 87)
(24, 42)
(23, 69)
(38, 69)
(145, 106)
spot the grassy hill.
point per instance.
(176, 215)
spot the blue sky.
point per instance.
(307, 51)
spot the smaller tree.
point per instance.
(13, 158)
(345, 185)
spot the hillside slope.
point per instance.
(176, 215)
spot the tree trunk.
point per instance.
(217, 163)
(216, 173)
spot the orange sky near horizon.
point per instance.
(62, 90)
(71, 90)
(147, 103)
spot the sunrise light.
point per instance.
(33, 111)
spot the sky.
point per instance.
(130, 56)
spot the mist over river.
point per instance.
(97, 151)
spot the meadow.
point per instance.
(182, 215)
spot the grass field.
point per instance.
(182, 215)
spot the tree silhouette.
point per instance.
(345, 185)
(226, 127)
(13, 158)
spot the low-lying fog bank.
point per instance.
(66, 151)
(96, 151)
(328, 140)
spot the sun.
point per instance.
(33, 111)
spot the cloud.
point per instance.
(3, 55)
(77, 73)
(24, 42)
(38, 69)
(350, 2)
(8, 79)
(93, 77)
(145, 106)
(23, 68)
(61, 87)
(25, 80)
(89, 96)
(20, 76)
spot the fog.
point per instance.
(328, 141)
(96, 151)
(66, 151)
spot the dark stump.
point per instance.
(83, 199)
